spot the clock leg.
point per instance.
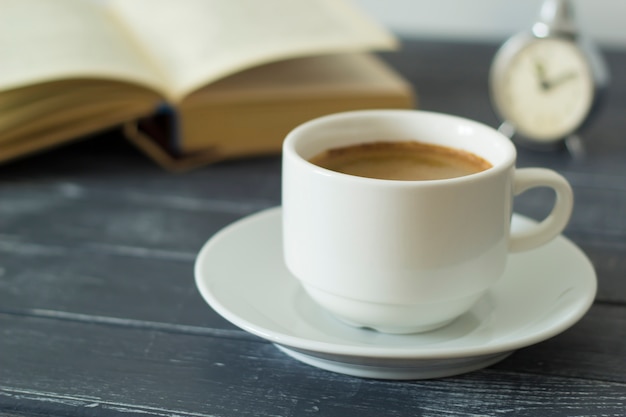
(575, 146)
(507, 129)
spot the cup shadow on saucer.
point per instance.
(474, 323)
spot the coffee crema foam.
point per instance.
(401, 160)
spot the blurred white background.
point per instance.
(493, 20)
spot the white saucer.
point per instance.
(241, 274)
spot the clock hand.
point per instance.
(541, 74)
(550, 84)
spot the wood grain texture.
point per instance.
(99, 315)
(104, 367)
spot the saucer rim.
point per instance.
(576, 312)
(424, 369)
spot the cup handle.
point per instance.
(556, 221)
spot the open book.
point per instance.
(206, 78)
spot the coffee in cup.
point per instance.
(402, 160)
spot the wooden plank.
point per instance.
(54, 213)
(138, 217)
(68, 214)
(103, 369)
(138, 283)
(134, 287)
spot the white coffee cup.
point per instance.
(405, 256)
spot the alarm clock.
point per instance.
(545, 84)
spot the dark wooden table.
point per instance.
(99, 313)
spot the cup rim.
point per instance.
(294, 137)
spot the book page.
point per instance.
(307, 78)
(48, 40)
(199, 41)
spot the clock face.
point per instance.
(545, 88)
